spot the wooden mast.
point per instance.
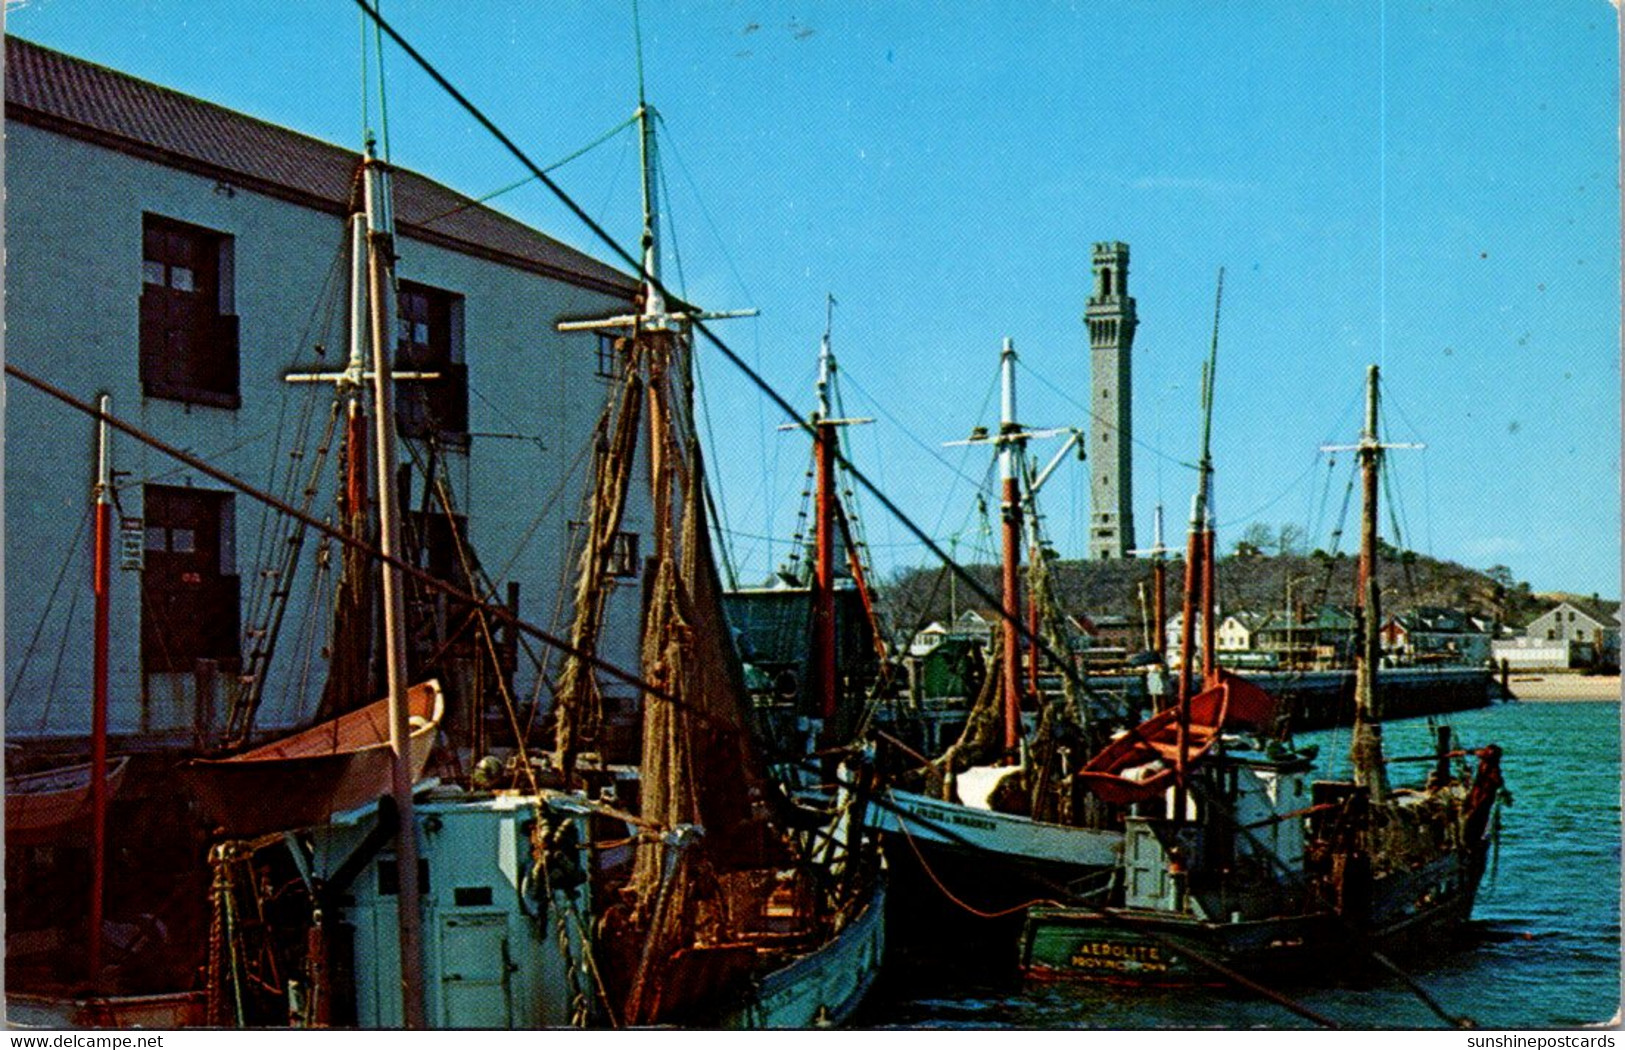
(101, 579)
(381, 283)
(1365, 748)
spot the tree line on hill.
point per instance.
(1263, 572)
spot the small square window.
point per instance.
(182, 541)
(152, 272)
(157, 538)
(608, 358)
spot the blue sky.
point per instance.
(1428, 186)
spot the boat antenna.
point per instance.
(1209, 563)
(826, 359)
(654, 302)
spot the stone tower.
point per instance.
(1110, 317)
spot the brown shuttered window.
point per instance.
(430, 340)
(189, 346)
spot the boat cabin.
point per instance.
(494, 912)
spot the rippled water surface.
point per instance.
(1543, 950)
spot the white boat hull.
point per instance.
(825, 987)
(1000, 837)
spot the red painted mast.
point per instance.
(101, 579)
(1209, 603)
(1010, 508)
(1198, 562)
(824, 544)
(1187, 609)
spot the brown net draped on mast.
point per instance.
(698, 764)
(578, 704)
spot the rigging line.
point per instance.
(383, 97)
(406, 568)
(321, 321)
(472, 571)
(704, 329)
(61, 650)
(705, 213)
(719, 507)
(1396, 513)
(547, 507)
(935, 454)
(1416, 432)
(669, 217)
(1291, 487)
(1108, 424)
(583, 151)
(612, 184)
(366, 81)
(518, 426)
(129, 483)
(56, 588)
(1394, 503)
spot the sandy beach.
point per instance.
(1557, 686)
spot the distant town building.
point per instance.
(1237, 632)
(1108, 631)
(1574, 633)
(1110, 317)
(1429, 634)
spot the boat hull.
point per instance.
(305, 779)
(1157, 949)
(962, 876)
(1411, 913)
(1058, 850)
(165, 1011)
(825, 987)
(40, 807)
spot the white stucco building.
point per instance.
(184, 258)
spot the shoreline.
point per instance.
(1559, 686)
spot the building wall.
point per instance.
(1539, 654)
(74, 216)
(1233, 636)
(1564, 623)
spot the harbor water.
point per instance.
(1543, 950)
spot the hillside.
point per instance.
(1250, 580)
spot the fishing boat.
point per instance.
(1250, 866)
(691, 889)
(41, 806)
(301, 780)
(740, 905)
(989, 825)
(1143, 764)
(814, 634)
